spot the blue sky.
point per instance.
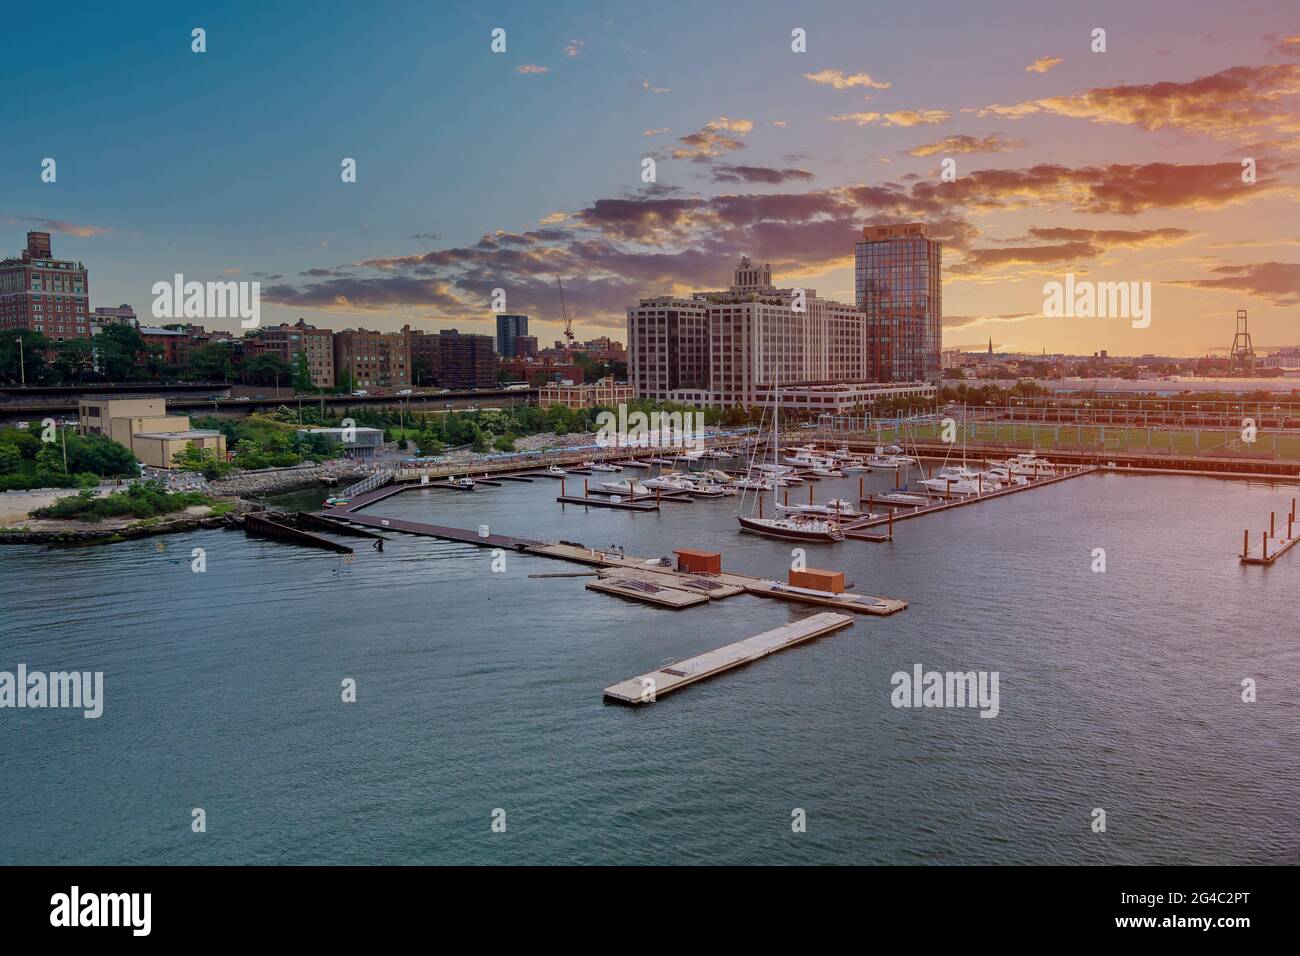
(171, 161)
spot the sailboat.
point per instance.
(792, 527)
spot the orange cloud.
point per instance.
(1042, 64)
(967, 144)
(840, 81)
(1221, 104)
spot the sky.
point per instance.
(479, 170)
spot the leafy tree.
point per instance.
(302, 373)
(119, 347)
(210, 363)
(74, 361)
(11, 460)
(266, 370)
(32, 366)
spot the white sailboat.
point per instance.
(793, 527)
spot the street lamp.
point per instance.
(22, 367)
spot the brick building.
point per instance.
(39, 293)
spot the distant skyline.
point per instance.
(478, 170)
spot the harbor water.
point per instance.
(479, 690)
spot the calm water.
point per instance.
(479, 690)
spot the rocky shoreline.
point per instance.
(260, 484)
(83, 532)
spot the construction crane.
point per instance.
(568, 322)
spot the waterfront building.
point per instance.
(1286, 358)
(373, 359)
(509, 328)
(357, 442)
(603, 393)
(720, 348)
(899, 288)
(39, 293)
(143, 425)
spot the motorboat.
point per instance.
(948, 485)
(824, 471)
(466, 483)
(625, 487)
(603, 466)
(556, 471)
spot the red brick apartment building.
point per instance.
(39, 293)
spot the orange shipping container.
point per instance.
(832, 581)
(698, 562)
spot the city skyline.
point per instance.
(1118, 166)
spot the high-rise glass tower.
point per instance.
(509, 329)
(899, 288)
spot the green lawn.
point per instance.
(1111, 438)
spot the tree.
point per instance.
(302, 374)
(210, 363)
(74, 361)
(118, 347)
(266, 370)
(11, 459)
(32, 366)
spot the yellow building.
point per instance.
(143, 425)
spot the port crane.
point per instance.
(568, 322)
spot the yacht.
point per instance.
(794, 527)
(603, 466)
(557, 471)
(625, 487)
(1004, 476)
(1030, 466)
(951, 484)
(827, 471)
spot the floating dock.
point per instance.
(944, 504)
(1272, 544)
(262, 525)
(646, 590)
(647, 688)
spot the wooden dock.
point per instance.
(647, 688)
(462, 535)
(707, 585)
(640, 504)
(1273, 544)
(646, 591)
(945, 504)
(263, 525)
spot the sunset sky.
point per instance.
(479, 170)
